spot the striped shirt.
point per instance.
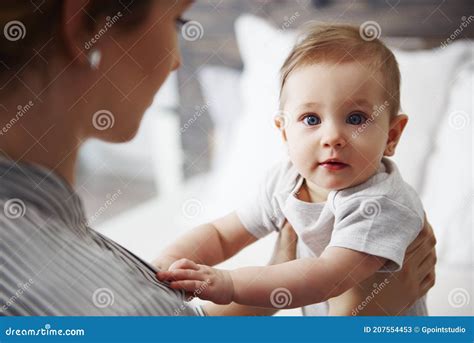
(52, 263)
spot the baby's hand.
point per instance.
(202, 281)
(163, 262)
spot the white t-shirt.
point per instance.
(380, 217)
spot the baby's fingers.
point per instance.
(181, 274)
(184, 263)
(187, 285)
(187, 274)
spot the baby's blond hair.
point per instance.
(345, 43)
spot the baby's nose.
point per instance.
(334, 140)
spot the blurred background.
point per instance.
(208, 138)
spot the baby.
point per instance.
(352, 212)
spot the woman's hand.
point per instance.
(285, 246)
(393, 293)
(284, 251)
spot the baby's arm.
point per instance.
(208, 244)
(305, 281)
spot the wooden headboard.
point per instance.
(427, 23)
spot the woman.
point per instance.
(80, 69)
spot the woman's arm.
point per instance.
(400, 290)
(208, 244)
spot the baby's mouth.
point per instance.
(333, 164)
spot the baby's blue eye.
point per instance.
(356, 119)
(311, 120)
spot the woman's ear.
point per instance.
(281, 122)
(73, 28)
(397, 125)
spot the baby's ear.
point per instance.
(281, 122)
(397, 125)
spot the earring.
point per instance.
(94, 59)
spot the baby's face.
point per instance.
(340, 112)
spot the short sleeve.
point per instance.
(378, 226)
(261, 214)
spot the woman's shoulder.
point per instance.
(53, 269)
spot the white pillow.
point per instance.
(448, 196)
(426, 78)
(221, 90)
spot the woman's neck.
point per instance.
(36, 135)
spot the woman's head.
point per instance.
(82, 58)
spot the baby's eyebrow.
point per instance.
(309, 105)
(360, 102)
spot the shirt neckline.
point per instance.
(43, 189)
(304, 205)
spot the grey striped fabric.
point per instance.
(52, 263)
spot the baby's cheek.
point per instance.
(300, 150)
(299, 154)
(366, 162)
(370, 144)
(294, 156)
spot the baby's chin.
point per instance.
(332, 184)
(336, 182)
